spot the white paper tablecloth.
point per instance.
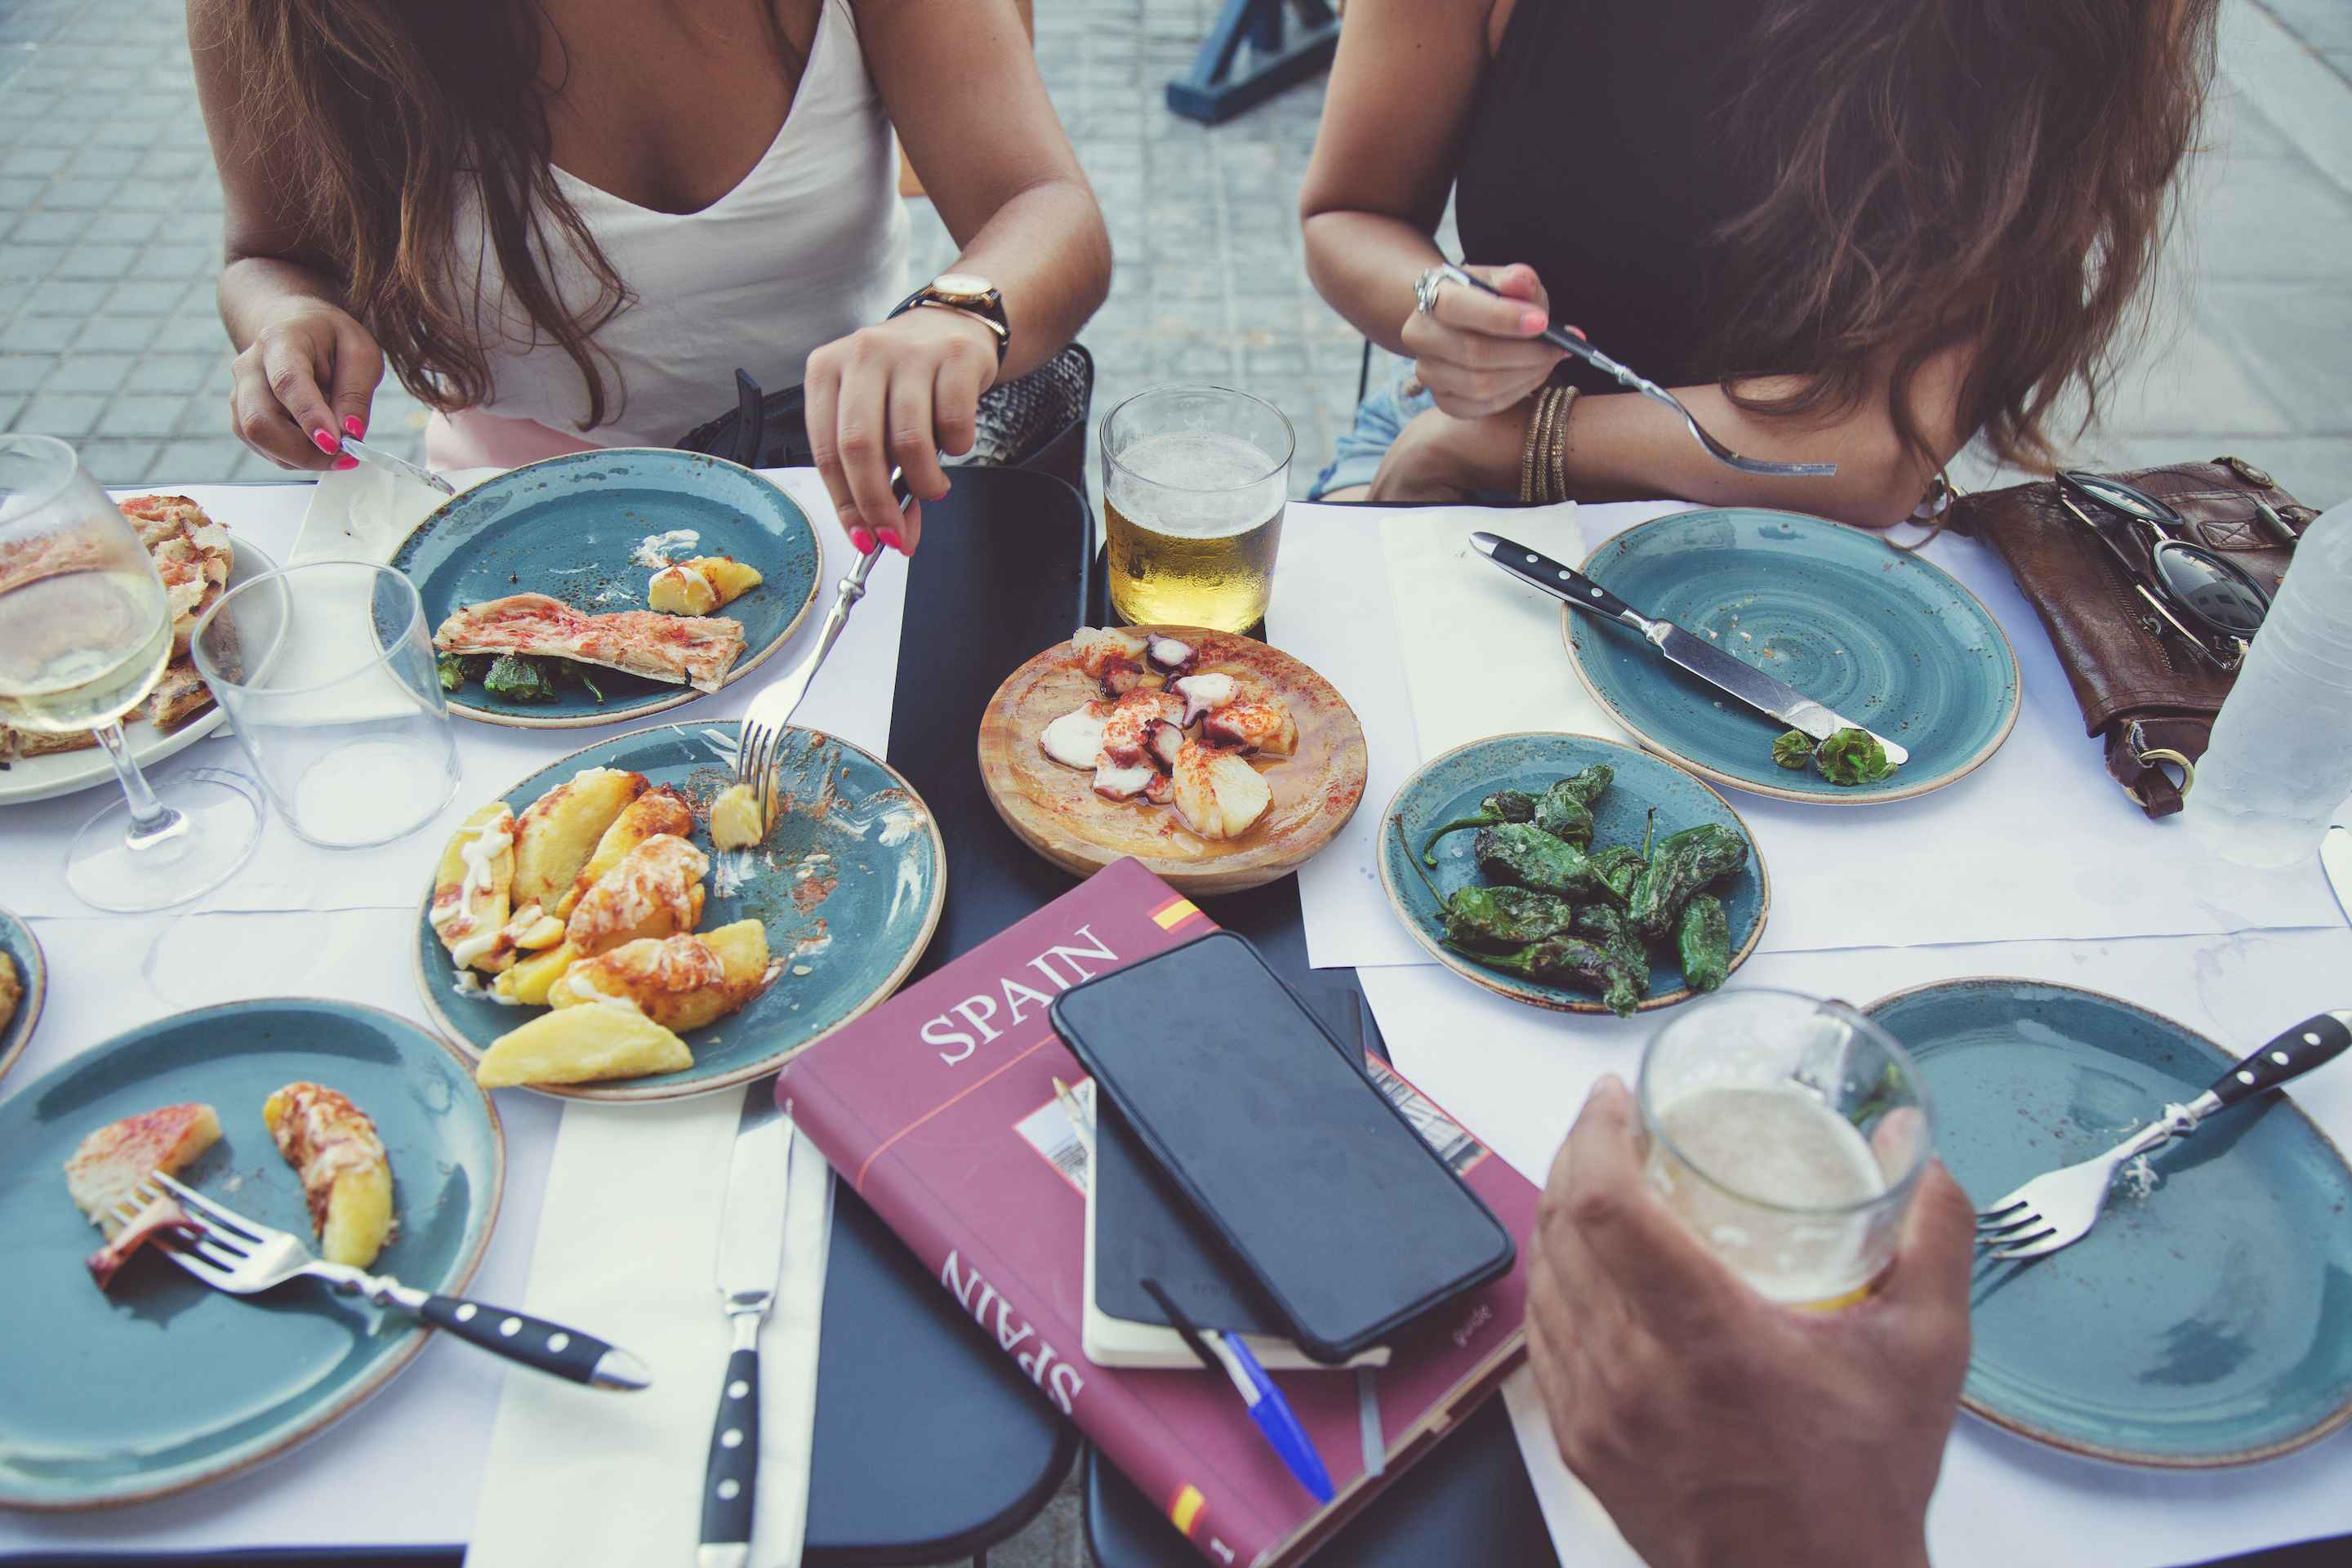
(1517, 1077)
(2037, 844)
(296, 920)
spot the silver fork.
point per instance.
(2058, 1209)
(770, 712)
(1633, 381)
(243, 1257)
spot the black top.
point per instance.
(1595, 154)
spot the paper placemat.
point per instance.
(626, 1239)
(1516, 1078)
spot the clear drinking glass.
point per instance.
(1195, 481)
(327, 673)
(86, 629)
(1789, 1134)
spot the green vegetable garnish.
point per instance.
(1703, 940)
(451, 668)
(1685, 863)
(1496, 918)
(1565, 810)
(1794, 749)
(1502, 806)
(1569, 960)
(1852, 757)
(1616, 937)
(518, 679)
(1522, 853)
(579, 672)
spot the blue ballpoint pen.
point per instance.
(1275, 1418)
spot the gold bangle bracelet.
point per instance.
(1556, 463)
(1528, 449)
(1534, 473)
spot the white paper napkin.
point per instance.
(363, 513)
(1482, 652)
(626, 1242)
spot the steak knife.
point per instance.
(392, 464)
(751, 1251)
(1700, 657)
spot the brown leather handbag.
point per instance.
(2147, 694)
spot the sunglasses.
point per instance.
(2208, 590)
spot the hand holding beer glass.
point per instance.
(1789, 1135)
(1195, 481)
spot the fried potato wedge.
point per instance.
(560, 831)
(581, 1045)
(658, 811)
(470, 889)
(656, 889)
(346, 1177)
(681, 981)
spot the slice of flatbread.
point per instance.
(687, 650)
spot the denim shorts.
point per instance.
(1379, 419)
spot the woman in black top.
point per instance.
(1855, 230)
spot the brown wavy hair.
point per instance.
(402, 109)
(1996, 174)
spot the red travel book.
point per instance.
(938, 1108)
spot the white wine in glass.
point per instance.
(85, 633)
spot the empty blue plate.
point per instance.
(163, 1383)
(1449, 787)
(849, 887)
(2205, 1323)
(572, 527)
(1889, 641)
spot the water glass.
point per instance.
(326, 669)
(1789, 1133)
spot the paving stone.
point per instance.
(22, 372)
(140, 415)
(10, 407)
(180, 374)
(78, 372)
(62, 297)
(41, 335)
(194, 462)
(50, 227)
(142, 297)
(66, 414)
(124, 334)
(116, 462)
(96, 261)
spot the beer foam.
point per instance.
(1200, 484)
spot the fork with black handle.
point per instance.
(243, 1257)
(2058, 1209)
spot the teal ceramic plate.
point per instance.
(2208, 1323)
(164, 1383)
(1451, 786)
(23, 949)
(849, 887)
(572, 528)
(1885, 638)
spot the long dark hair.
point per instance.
(1997, 174)
(402, 109)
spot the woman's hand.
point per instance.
(895, 394)
(1478, 354)
(1439, 458)
(1716, 1426)
(306, 381)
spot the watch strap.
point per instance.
(990, 314)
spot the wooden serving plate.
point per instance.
(1054, 810)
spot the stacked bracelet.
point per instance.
(1543, 463)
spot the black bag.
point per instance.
(1038, 421)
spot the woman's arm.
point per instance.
(1400, 93)
(960, 79)
(305, 372)
(1622, 446)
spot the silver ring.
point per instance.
(1425, 290)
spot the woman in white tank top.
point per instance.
(566, 225)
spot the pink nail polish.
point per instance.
(890, 537)
(1533, 321)
(344, 462)
(326, 442)
(861, 540)
(354, 426)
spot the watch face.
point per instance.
(960, 285)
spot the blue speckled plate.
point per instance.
(1451, 786)
(2206, 1324)
(849, 887)
(24, 949)
(569, 527)
(1885, 638)
(164, 1383)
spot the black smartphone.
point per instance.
(1318, 1186)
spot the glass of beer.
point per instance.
(1788, 1133)
(1194, 478)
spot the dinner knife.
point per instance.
(751, 1251)
(1701, 658)
(400, 466)
(2335, 859)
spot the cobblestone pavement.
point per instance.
(110, 216)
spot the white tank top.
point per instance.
(810, 247)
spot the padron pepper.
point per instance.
(1498, 917)
(1566, 961)
(1502, 806)
(1616, 937)
(1565, 810)
(1522, 853)
(1685, 863)
(1619, 864)
(1703, 935)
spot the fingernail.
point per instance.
(326, 442)
(346, 462)
(1533, 321)
(861, 540)
(354, 426)
(890, 537)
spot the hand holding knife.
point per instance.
(1703, 658)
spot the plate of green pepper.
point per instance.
(1574, 873)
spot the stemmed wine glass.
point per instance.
(85, 631)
